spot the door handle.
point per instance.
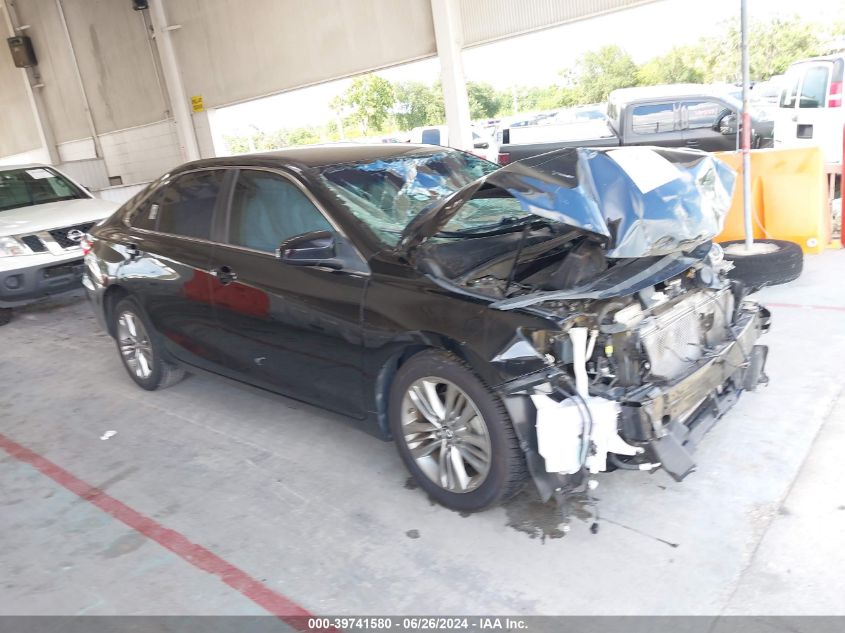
(225, 275)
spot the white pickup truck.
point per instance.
(43, 216)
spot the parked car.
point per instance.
(483, 144)
(580, 114)
(493, 322)
(810, 111)
(680, 115)
(43, 215)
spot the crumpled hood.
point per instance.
(645, 201)
(54, 215)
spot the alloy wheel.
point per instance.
(135, 346)
(446, 435)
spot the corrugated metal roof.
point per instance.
(490, 20)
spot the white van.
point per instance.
(810, 110)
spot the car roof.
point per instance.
(822, 58)
(625, 95)
(318, 155)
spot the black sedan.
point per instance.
(562, 316)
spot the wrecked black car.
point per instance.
(561, 316)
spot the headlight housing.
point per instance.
(11, 247)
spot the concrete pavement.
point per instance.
(320, 512)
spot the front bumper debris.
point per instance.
(667, 420)
(672, 419)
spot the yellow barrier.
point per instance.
(788, 197)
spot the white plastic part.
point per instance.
(562, 427)
(591, 344)
(605, 414)
(559, 430)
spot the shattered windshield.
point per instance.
(387, 194)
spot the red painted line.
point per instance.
(805, 305)
(197, 555)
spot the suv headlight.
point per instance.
(10, 247)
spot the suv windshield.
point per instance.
(387, 194)
(34, 185)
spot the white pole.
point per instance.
(173, 82)
(448, 36)
(746, 128)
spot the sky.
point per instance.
(536, 59)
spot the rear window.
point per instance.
(814, 87)
(654, 118)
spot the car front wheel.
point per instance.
(140, 352)
(454, 434)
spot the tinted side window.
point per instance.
(185, 205)
(267, 209)
(814, 88)
(654, 118)
(145, 215)
(703, 114)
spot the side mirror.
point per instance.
(727, 124)
(481, 145)
(316, 248)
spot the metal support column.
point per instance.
(173, 81)
(448, 36)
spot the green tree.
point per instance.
(599, 72)
(773, 46)
(236, 144)
(682, 64)
(371, 99)
(484, 101)
(418, 104)
(304, 136)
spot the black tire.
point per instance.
(507, 468)
(5, 316)
(782, 264)
(162, 373)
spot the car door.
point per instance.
(292, 329)
(700, 119)
(655, 123)
(810, 111)
(169, 262)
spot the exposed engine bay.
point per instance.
(654, 341)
